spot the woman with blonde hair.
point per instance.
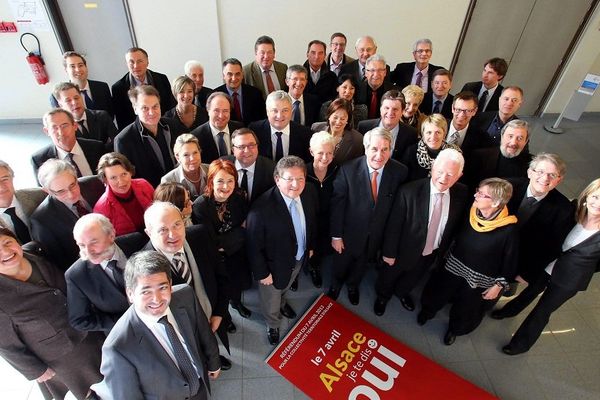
(411, 115)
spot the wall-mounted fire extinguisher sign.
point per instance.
(35, 61)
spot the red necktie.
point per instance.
(236, 107)
(270, 85)
(374, 185)
(373, 106)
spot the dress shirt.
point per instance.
(288, 201)
(577, 235)
(333, 66)
(274, 78)
(226, 136)
(78, 157)
(461, 134)
(434, 98)
(445, 210)
(490, 91)
(314, 75)
(285, 140)
(302, 114)
(88, 93)
(133, 81)
(5, 218)
(379, 175)
(240, 97)
(249, 175)
(424, 77)
(83, 120)
(529, 194)
(117, 256)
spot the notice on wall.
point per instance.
(30, 15)
(333, 354)
(589, 85)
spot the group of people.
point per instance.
(195, 193)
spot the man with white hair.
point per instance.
(195, 71)
(374, 86)
(420, 72)
(365, 47)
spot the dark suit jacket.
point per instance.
(575, 267)
(407, 135)
(402, 74)
(363, 94)
(271, 239)
(52, 224)
(253, 76)
(136, 366)
(542, 235)
(326, 85)
(489, 162)
(352, 69)
(427, 105)
(101, 98)
(355, 217)
(263, 176)
(123, 108)
(406, 233)
(299, 139)
(202, 96)
(92, 149)
(474, 138)
(100, 127)
(253, 104)
(475, 87)
(312, 106)
(482, 122)
(210, 151)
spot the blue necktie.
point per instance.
(89, 103)
(222, 145)
(297, 221)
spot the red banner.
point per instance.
(331, 353)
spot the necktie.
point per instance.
(117, 274)
(222, 145)
(20, 228)
(181, 268)
(437, 107)
(236, 107)
(482, 100)
(453, 139)
(183, 360)
(244, 182)
(270, 85)
(279, 147)
(296, 112)
(297, 221)
(74, 164)
(373, 105)
(374, 185)
(419, 79)
(81, 208)
(434, 224)
(89, 103)
(526, 209)
(82, 129)
(362, 73)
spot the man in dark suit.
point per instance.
(545, 219)
(91, 124)
(264, 73)
(438, 100)
(82, 154)
(281, 230)
(418, 73)
(488, 90)
(374, 86)
(194, 260)
(248, 103)
(215, 134)
(95, 286)
(321, 81)
(279, 136)
(364, 191)
(492, 122)
(258, 170)
(337, 57)
(421, 228)
(96, 94)
(68, 199)
(139, 74)
(148, 141)
(143, 356)
(195, 71)
(461, 130)
(305, 106)
(403, 135)
(365, 47)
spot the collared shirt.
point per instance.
(240, 97)
(299, 208)
(5, 219)
(117, 256)
(394, 131)
(301, 100)
(314, 75)
(461, 134)
(274, 78)
(379, 175)
(88, 93)
(285, 140)
(529, 194)
(226, 136)
(249, 175)
(490, 91)
(445, 210)
(83, 121)
(161, 150)
(424, 77)
(335, 67)
(78, 157)
(434, 98)
(133, 81)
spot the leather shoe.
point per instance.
(315, 276)
(353, 296)
(231, 328)
(288, 312)
(273, 335)
(422, 319)
(508, 349)
(498, 314)
(241, 309)
(449, 337)
(379, 306)
(294, 286)
(225, 363)
(333, 293)
(407, 303)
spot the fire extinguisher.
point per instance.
(36, 62)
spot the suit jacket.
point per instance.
(402, 74)
(101, 98)
(122, 106)
(325, 87)
(92, 150)
(363, 94)
(475, 87)
(407, 135)
(136, 366)
(263, 176)
(483, 121)
(312, 106)
(52, 224)
(549, 225)
(210, 151)
(426, 105)
(29, 200)
(253, 103)
(575, 267)
(406, 234)
(253, 76)
(489, 162)
(100, 127)
(355, 217)
(299, 139)
(272, 243)
(202, 96)
(352, 69)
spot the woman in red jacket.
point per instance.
(125, 199)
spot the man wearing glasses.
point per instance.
(420, 72)
(461, 132)
(374, 86)
(337, 57)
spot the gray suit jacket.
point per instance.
(28, 200)
(253, 76)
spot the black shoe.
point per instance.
(449, 337)
(288, 312)
(231, 328)
(241, 309)
(333, 293)
(508, 349)
(294, 286)
(273, 335)
(379, 307)
(315, 275)
(422, 319)
(407, 303)
(225, 363)
(498, 314)
(354, 296)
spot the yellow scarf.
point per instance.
(482, 225)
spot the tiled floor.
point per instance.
(564, 364)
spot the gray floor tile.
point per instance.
(513, 379)
(274, 388)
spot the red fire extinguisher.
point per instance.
(36, 62)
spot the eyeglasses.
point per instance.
(244, 147)
(479, 193)
(62, 192)
(464, 111)
(296, 180)
(423, 51)
(373, 70)
(539, 173)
